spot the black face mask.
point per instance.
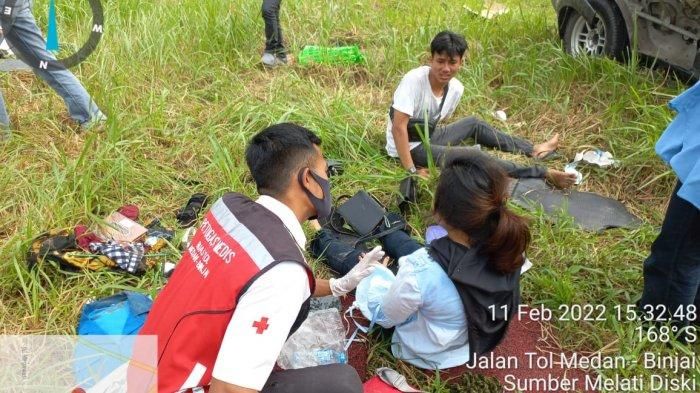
(322, 205)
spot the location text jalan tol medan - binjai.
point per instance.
(669, 373)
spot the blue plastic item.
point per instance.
(107, 331)
(122, 314)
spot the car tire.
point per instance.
(608, 36)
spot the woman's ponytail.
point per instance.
(471, 197)
(508, 241)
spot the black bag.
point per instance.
(362, 212)
(366, 217)
(416, 127)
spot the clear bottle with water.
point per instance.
(318, 357)
(319, 341)
(330, 356)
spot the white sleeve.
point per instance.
(403, 299)
(405, 95)
(260, 326)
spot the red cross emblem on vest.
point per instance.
(261, 325)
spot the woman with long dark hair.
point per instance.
(454, 297)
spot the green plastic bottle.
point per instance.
(331, 55)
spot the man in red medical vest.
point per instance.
(243, 286)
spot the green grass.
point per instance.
(184, 90)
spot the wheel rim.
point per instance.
(587, 39)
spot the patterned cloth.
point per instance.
(127, 256)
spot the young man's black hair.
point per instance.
(448, 43)
(279, 149)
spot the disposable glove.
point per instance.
(343, 285)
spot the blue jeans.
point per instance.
(672, 270)
(26, 40)
(340, 257)
(4, 119)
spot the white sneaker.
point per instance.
(271, 60)
(5, 51)
(96, 120)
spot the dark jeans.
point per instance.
(672, 270)
(341, 257)
(273, 31)
(445, 139)
(337, 378)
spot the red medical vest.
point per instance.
(237, 242)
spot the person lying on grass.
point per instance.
(453, 298)
(432, 92)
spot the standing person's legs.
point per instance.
(482, 133)
(27, 42)
(273, 31)
(336, 378)
(672, 270)
(420, 158)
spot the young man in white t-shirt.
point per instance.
(421, 95)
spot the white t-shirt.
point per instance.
(414, 96)
(265, 313)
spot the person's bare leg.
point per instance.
(542, 149)
(560, 179)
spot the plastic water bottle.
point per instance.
(318, 357)
(329, 356)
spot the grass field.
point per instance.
(183, 89)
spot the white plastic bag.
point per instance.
(320, 340)
(597, 157)
(371, 291)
